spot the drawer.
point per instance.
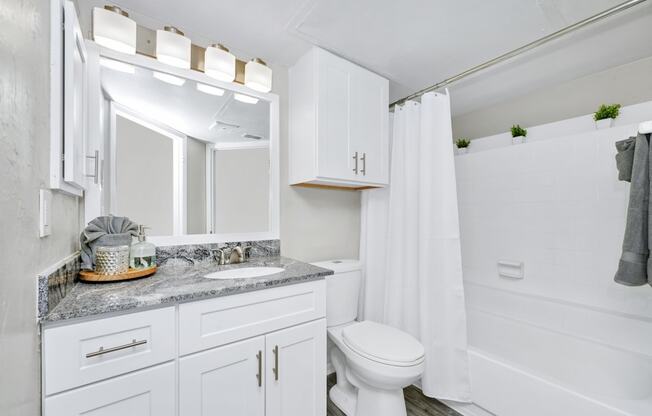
(82, 353)
(219, 321)
(143, 393)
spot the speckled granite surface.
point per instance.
(55, 283)
(179, 282)
(197, 253)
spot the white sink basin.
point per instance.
(244, 273)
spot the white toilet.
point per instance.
(373, 362)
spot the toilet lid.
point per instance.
(383, 343)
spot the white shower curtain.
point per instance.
(410, 246)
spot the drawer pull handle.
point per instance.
(355, 157)
(103, 351)
(259, 376)
(364, 164)
(276, 363)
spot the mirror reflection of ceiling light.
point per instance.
(117, 65)
(172, 47)
(258, 76)
(219, 63)
(113, 29)
(247, 99)
(170, 79)
(209, 89)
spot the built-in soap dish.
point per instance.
(511, 269)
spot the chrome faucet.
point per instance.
(237, 254)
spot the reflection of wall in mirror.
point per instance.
(196, 192)
(144, 176)
(241, 189)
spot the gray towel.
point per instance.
(105, 231)
(625, 158)
(635, 268)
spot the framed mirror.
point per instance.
(192, 158)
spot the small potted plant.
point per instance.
(518, 134)
(604, 117)
(462, 146)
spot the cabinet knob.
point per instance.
(355, 157)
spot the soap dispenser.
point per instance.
(143, 253)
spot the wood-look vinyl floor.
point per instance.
(417, 404)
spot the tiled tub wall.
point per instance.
(557, 206)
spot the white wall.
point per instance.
(626, 84)
(566, 329)
(144, 176)
(24, 168)
(241, 189)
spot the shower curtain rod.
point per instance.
(518, 51)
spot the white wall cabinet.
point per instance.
(68, 99)
(260, 353)
(339, 117)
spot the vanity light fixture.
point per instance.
(172, 47)
(117, 65)
(113, 29)
(247, 99)
(209, 89)
(258, 76)
(219, 63)
(170, 79)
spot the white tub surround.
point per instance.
(565, 335)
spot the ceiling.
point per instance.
(211, 118)
(416, 43)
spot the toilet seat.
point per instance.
(383, 344)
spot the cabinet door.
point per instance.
(369, 124)
(334, 155)
(296, 371)
(148, 392)
(224, 381)
(74, 98)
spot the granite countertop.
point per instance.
(176, 283)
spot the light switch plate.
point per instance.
(45, 214)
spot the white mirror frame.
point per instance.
(274, 194)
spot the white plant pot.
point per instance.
(605, 123)
(462, 150)
(518, 140)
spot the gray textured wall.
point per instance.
(626, 84)
(24, 161)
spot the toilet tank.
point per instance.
(342, 290)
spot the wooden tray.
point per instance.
(91, 276)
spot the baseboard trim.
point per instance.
(467, 409)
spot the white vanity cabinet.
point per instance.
(260, 353)
(280, 374)
(339, 118)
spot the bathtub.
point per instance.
(530, 364)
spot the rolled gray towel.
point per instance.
(105, 231)
(625, 158)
